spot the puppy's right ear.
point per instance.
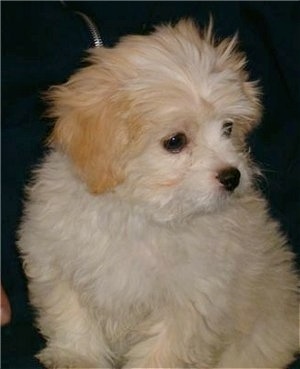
(88, 125)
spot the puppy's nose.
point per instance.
(229, 177)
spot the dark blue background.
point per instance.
(44, 42)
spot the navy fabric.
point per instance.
(44, 42)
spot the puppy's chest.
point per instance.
(154, 267)
(155, 275)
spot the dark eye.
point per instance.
(175, 143)
(227, 128)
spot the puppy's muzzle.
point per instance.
(229, 178)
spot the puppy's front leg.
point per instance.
(154, 351)
(173, 341)
(74, 338)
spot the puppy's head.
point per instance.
(161, 120)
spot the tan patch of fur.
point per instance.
(90, 127)
(94, 145)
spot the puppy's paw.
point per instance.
(57, 358)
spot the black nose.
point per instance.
(229, 177)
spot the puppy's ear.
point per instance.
(231, 58)
(228, 58)
(253, 93)
(89, 125)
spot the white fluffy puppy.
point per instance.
(143, 239)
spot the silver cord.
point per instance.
(97, 40)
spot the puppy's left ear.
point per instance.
(231, 58)
(253, 93)
(89, 127)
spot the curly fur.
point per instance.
(138, 257)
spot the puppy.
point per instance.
(144, 240)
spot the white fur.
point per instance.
(157, 275)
